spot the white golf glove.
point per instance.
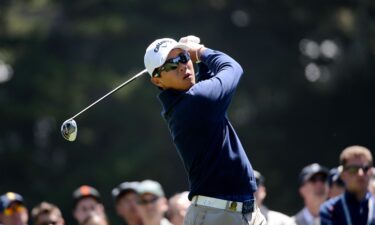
(194, 45)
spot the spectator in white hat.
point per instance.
(125, 196)
(152, 204)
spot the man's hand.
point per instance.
(195, 48)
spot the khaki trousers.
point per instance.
(203, 215)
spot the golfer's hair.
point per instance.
(45, 208)
(355, 151)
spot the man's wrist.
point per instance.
(198, 54)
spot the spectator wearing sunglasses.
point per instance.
(313, 188)
(47, 214)
(13, 210)
(87, 200)
(152, 204)
(194, 105)
(356, 205)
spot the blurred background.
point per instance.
(305, 95)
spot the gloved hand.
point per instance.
(195, 48)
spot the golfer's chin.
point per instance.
(187, 85)
(181, 85)
(189, 81)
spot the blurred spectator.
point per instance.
(314, 191)
(356, 206)
(272, 217)
(335, 184)
(95, 219)
(86, 200)
(177, 207)
(152, 204)
(13, 210)
(47, 214)
(371, 185)
(125, 196)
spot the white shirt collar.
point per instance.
(310, 219)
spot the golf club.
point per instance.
(69, 128)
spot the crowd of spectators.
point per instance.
(341, 195)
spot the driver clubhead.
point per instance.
(69, 130)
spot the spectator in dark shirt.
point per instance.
(356, 205)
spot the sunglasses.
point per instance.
(14, 209)
(142, 201)
(353, 169)
(172, 64)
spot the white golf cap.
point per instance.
(150, 187)
(157, 52)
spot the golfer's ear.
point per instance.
(156, 81)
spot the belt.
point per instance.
(243, 207)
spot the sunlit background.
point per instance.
(307, 92)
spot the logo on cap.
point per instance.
(11, 196)
(85, 190)
(158, 45)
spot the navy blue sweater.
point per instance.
(213, 156)
(332, 211)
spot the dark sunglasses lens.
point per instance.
(170, 66)
(181, 58)
(355, 169)
(184, 58)
(14, 209)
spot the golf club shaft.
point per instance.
(109, 93)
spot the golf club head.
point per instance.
(69, 130)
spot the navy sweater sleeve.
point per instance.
(206, 141)
(217, 88)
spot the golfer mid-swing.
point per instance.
(221, 178)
